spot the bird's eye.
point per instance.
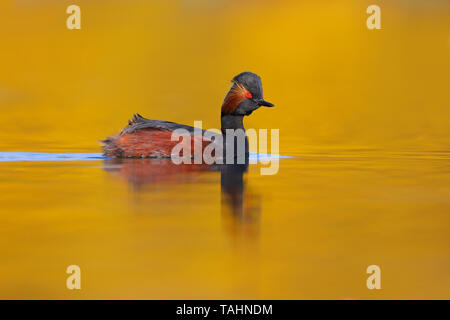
(248, 95)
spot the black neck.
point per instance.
(229, 121)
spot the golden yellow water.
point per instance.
(366, 114)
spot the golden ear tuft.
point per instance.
(234, 97)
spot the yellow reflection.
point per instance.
(365, 111)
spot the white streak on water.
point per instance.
(46, 156)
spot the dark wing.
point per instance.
(138, 122)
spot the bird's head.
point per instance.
(245, 95)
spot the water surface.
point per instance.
(364, 114)
(144, 228)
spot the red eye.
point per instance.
(248, 95)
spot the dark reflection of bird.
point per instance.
(145, 138)
(240, 208)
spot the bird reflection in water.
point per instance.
(241, 209)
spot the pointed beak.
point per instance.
(265, 103)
